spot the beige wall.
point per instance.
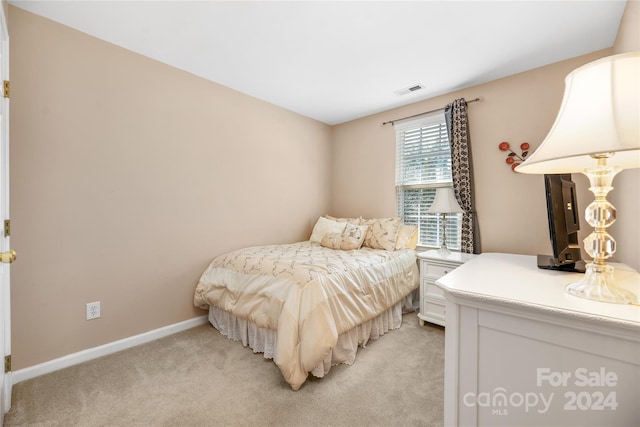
(626, 194)
(128, 176)
(511, 207)
(628, 38)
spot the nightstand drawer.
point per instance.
(436, 271)
(434, 291)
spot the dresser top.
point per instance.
(516, 281)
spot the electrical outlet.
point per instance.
(93, 310)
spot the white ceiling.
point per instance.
(337, 61)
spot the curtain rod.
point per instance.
(422, 114)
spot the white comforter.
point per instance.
(308, 293)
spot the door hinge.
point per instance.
(7, 363)
(7, 87)
(7, 227)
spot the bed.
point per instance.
(309, 305)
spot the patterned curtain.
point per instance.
(461, 165)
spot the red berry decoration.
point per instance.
(512, 158)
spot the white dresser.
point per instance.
(520, 351)
(432, 267)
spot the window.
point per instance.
(423, 163)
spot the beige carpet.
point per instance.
(201, 378)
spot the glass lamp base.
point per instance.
(444, 251)
(598, 284)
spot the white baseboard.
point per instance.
(103, 350)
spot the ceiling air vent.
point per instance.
(409, 89)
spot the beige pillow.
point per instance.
(338, 241)
(325, 226)
(407, 237)
(357, 232)
(382, 233)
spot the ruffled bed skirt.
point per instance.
(262, 340)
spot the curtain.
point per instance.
(461, 165)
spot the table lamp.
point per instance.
(445, 202)
(597, 133)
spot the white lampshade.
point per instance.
(599, 114)
(445, 202)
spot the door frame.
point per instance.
(6, 380)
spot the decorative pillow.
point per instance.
(325, 226)
(354, 221)
(338, 241)
(382, 233)
(407, 237)
(357, 232)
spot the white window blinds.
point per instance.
(423, 163)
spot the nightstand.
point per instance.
(432, 267)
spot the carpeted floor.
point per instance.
(201, 378)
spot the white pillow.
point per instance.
(325, 226)
(356, 232)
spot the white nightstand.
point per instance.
(432, 267)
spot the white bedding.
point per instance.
(307, 294)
